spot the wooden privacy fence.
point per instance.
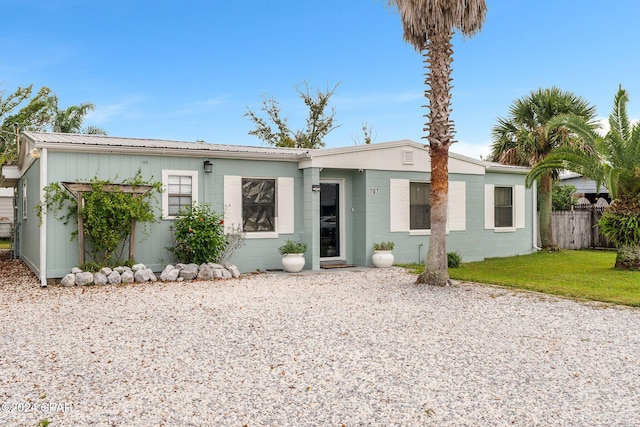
(578, 228)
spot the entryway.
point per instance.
(331, 221)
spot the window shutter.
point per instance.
(489, 204)
(286, 206)
(457, 206)
(232, 202)
(398, 205)
(519, 204)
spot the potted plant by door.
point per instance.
(382, 256)
(292, 252)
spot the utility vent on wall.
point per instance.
(407, 157)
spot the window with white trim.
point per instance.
(410, 207)
(180, 191)
(419, 206)
(503, 207)
(258, 205)
(262, 207)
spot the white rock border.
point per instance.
(139, 273)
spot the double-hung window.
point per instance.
(503, 207)
(181, 189)
(419, 206)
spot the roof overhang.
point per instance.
(10, 176)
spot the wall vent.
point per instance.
(407, 157)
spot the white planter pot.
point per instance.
(382, 259)
(293, 263)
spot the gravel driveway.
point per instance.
(353, 348)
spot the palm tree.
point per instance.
(527, 137)
(428, 25)
(612, 160)
(71, 119)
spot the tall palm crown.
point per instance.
(428, 25)
(612, 160)
(530, 133)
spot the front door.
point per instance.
(330, 221)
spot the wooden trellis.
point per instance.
(79, 188)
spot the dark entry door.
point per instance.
(329, 220)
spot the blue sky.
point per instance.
(187, 70)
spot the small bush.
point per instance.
(384, 246)
(293, 247)
(454, 259)
(199, 236)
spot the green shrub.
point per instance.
(199, 237)
(107, 213)
(620, 222)
(384, 246)
(293, 247)
(454, 259)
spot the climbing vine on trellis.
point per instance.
(106, 214)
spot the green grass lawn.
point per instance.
(578, 274)
(5, 244)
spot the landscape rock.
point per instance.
(173, 275)
(141, 275)
(76, 270)
(114, 278)
(106, 271)
(137, 267)
(189, 272)
(165, 272)
(68, 280)
(84, 278)
(127, 276)
(99, 278)
(206, 272)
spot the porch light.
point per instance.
(208, 166)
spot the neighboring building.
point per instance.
(339, 201)
(585, 187)
(6, 212)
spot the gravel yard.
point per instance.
(353, 348)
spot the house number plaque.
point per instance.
(374, 191)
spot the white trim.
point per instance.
(399, 205)
(232, 194)
(519, 206)
(261, 235)
(165, 188)
(342, 218)
(285, 203)
(457, 206)
(489, 204)
(43, 225)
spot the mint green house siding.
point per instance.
(339, 201)
(27, 222)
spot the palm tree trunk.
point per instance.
(546, 231)
(438, 56)
(628, 257)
